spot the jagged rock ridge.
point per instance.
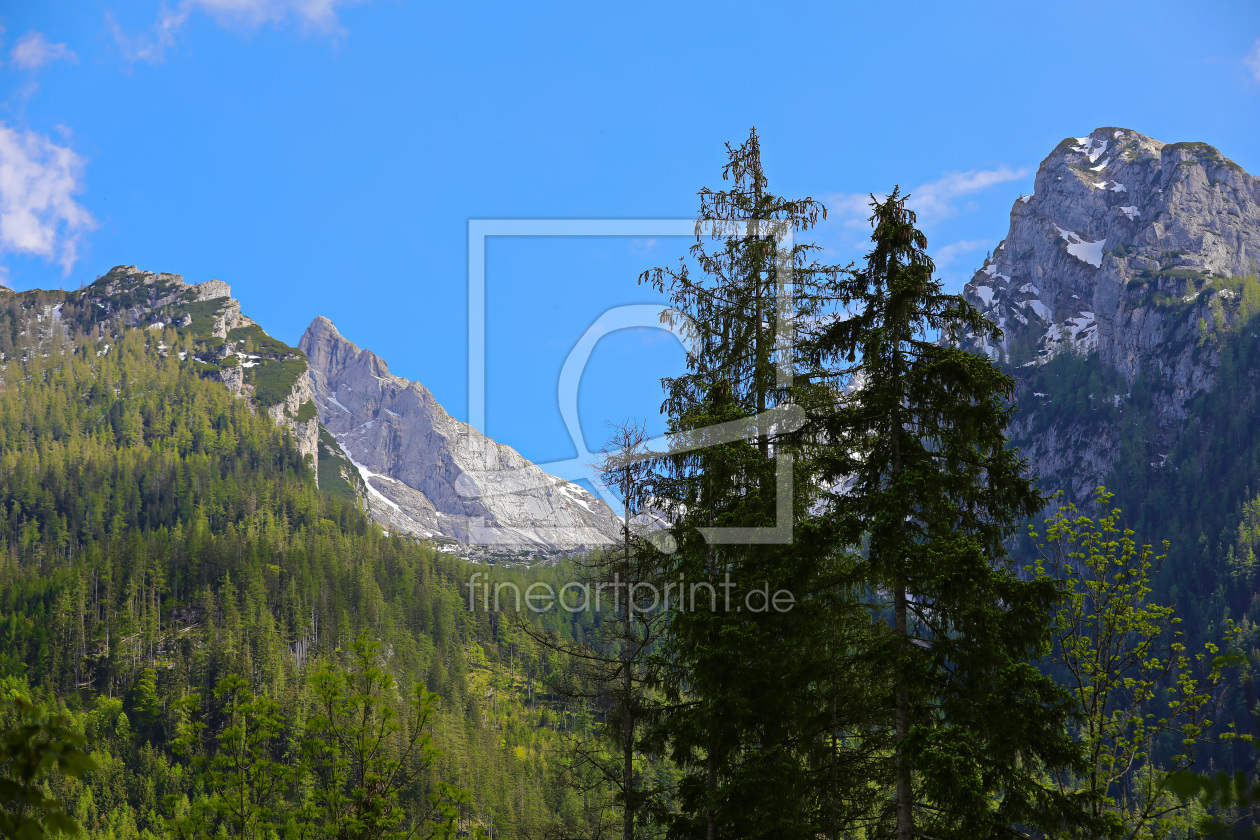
(431, 475)
(1132, 253)
(231, 346)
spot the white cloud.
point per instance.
(151, 48)
(311, 15)
(946, 254)
(315, 14)
(642, 247)
(935, 200)
(850, 209)
(38, 182)
(32, 51)
(1253, 60)
(932, 201)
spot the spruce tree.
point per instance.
(753, 722)
(927, 483)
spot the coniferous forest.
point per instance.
(163, 538)
(197, 641)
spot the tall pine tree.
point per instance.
(755, 713)
(932, 490)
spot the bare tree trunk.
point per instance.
(627, 722)
(628, 772)
(901, 700)
(905, 816)
(709, 809)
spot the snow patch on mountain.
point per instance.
(1083, 249)
(1090, 147)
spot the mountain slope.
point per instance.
(1131, 256)
(221, 340)
(159, 532)
(1127, 292)
(413, 466)
(432, 475)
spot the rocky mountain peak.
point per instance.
(1129, 255)
(1114, 218)
(328, 350)
(142, 298)
(368, 435)
(427, 473)
(225, 344)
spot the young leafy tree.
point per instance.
(38, 747)
(928, 484)
(1143, 702)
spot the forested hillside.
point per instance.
(160, 534)
(1126, 290)
(249, 655)
(1195, 488)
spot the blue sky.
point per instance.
(324, 157)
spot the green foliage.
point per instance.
(1222, 794)
(1204, 153)
(342, 779)
(1218, 313)
(306, 412)
(617, 668)
(362, 756)
(337, 476)
(254, 341)
(36, 747)
(159, 536)
(1072, 388)
(1191, 484)
(273, 380)
(203, 314)
(1189, 275)
(1244, 288)
(236, 642)
(756, 700)
(273, 366)
(244, 787)
(1134, 683)
(1249, 306)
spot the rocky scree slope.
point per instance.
(431, 475)
(1127, 272)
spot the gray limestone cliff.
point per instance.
(1132, 258)
(433, 476)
